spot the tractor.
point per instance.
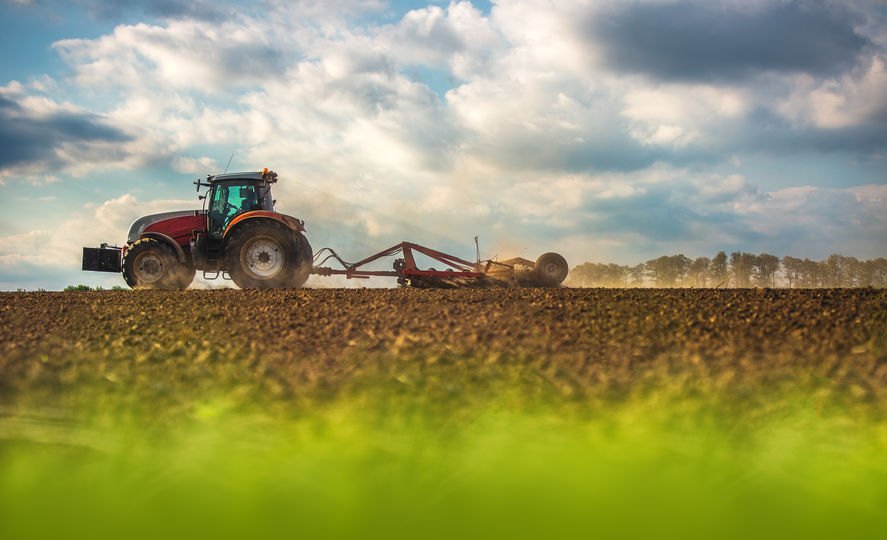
(239, 236)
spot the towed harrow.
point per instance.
(548, 270)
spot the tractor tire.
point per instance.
(551, 269)
(307, 256)
(152, 264)
(264, 255)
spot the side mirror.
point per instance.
(201, 197)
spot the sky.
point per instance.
(608, 131)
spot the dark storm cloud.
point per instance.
(165, 9)
(27, 138)
(766, 131)
(115, 10)
(706, 41)
(662, 214)
(610, 151)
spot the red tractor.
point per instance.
(239, 236)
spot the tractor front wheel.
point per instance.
(152, 264)
(265, 255)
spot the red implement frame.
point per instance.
(460, 267)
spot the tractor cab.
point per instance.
(236, 193)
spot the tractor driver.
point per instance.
(249, 200)
(231, 201)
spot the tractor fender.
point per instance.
(138, 226)
(288, 221)
(180, 253)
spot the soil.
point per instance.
(575, 338)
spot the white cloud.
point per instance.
(94, 224)
(619, 191)
(184, 54)
(458, 38)
(335, 92)
(194, 165)
(19, 248)
(856, 98)
(680, 114)
(32, 179)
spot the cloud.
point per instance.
(677, 115)
(713, 41)
(166, 9)
(184, 54)
(850, 100)
(94, 224)
(201, 165)
(523, 98)
(41, 133)
(458, 38)
(664, 210)
(117, 9)
(816, 222)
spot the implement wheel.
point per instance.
(551, 269)
(152, 264)
(264, 255)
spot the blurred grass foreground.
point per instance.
(385, 459)
(176, 442)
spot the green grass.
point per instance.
(76, 288)
(85, 288)
(450, 448)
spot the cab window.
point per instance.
(228, 200)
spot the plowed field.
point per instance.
(574, 338)
(444, 413)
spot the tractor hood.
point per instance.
(138, 226)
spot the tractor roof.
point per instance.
(266, 175)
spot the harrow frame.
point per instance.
(461, 272)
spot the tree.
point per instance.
(809, 275)
(741, 267)
(668, 271)
(833, 271)
(614, 275)
(584, 275)
(698, 271)
(792, 268)
(873, 273)
(681, 264)
(636, 275)
(880, 272)
(851, 271)
(598, 275)
(718, 269)
(740, 270)
(766, 266)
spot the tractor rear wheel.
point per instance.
(551, 269)
(152, 264)
(264, 255)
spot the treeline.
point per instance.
(737, 270)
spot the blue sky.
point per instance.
(608, 131)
